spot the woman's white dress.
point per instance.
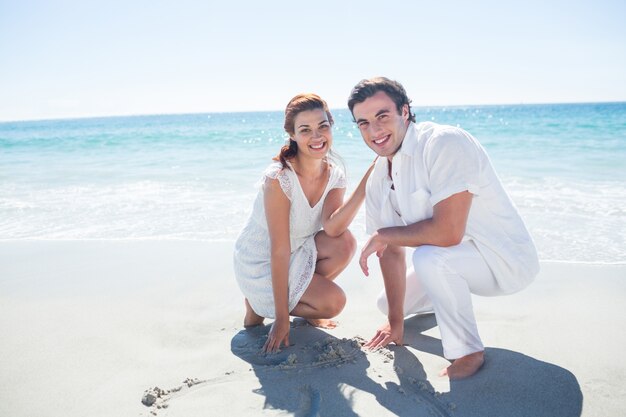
(252, 249)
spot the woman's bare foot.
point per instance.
(251, 319)
(464, 366)
(323, 323)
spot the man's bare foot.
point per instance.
(323, 323)
(251, 319)
(464, 366)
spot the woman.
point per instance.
(284, 264)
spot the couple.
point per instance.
(432, 188)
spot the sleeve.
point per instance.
(276, 171)
(372, 208)
(339, 178)
(453, 159)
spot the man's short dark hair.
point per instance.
(367, 88)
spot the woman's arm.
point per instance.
(337, 214)
(277, 207)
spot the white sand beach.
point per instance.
(88, 326)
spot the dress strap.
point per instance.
(337, 177)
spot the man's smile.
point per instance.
(382, 140)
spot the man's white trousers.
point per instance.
(442, 280)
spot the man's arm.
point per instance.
(393, 268)
(445, 228)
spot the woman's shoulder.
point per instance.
(276, 171)
(335, 167)
(337, 175)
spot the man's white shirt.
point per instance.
(436, 162)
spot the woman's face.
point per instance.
(313, 133)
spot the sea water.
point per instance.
(193, 176)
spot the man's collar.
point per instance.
(410, 140)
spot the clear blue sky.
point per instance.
(88, 58)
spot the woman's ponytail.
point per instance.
(288, 151)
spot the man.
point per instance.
(434, 189)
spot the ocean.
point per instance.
(193, 177)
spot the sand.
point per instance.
(142, 328)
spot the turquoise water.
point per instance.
(192, 176)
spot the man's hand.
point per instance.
(374, 244)
(389, 333)
(278, 334)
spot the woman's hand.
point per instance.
(279, 333)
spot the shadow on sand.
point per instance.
(320, 375)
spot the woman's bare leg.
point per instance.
(321, 301)
(251, 319)
(333, 253)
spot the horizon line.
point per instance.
(107, 116)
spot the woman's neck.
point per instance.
(308, 167)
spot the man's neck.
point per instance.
(390, 157)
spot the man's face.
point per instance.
(381, 126)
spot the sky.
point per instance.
(67, 59)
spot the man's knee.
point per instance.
(428, 263)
